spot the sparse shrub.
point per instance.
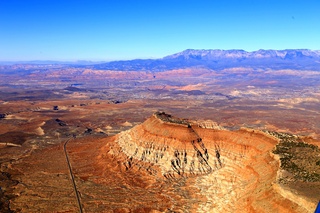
(287, 150)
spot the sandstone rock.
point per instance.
(236, 171)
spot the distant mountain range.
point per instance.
(298, 59)
(301, 59)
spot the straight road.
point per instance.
(72, 176)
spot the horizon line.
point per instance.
(77, 61)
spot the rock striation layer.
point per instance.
(169, 143)
(234, 170)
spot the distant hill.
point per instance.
(50, 62)
(300, 59)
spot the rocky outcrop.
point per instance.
(208, 124)
(179, 151)
(235, 170)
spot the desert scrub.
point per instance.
(297, 157)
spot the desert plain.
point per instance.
(193, 139)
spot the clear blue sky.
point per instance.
(118, 29)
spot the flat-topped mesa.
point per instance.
(168, 142)
(180, 147)
(235, 170)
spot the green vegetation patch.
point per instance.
(297, 157)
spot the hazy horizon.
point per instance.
(78, 61)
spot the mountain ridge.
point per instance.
(213, 59)
(298, 59)
(236, 53)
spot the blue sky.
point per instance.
(118, 29)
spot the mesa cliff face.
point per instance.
(234, 170)
(171, 144)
